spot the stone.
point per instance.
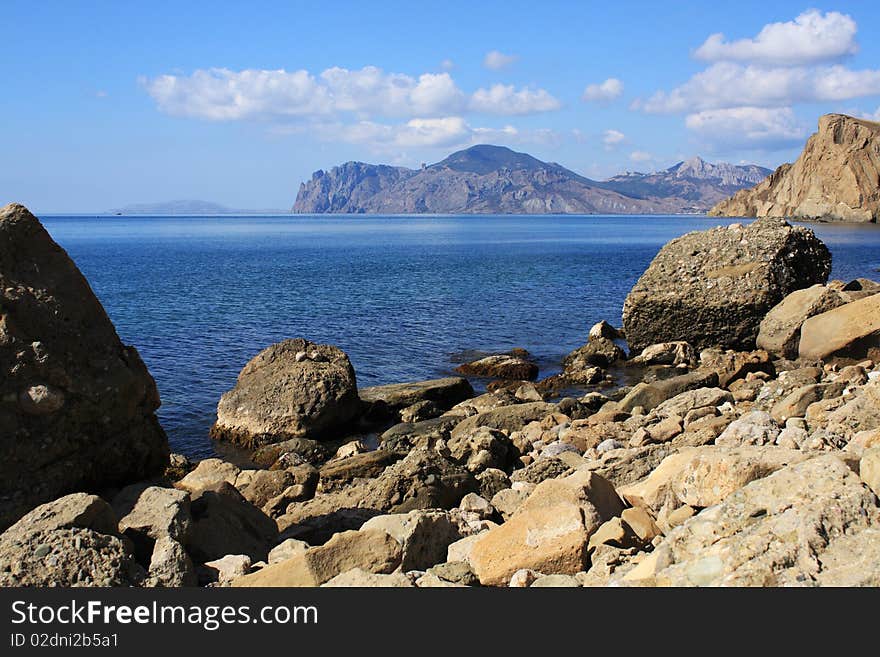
(550, 467)
(456, 572)
(773, 531)
(476, 505)
(445, 393)
(501, 366)
(423, 434)
(598, 352)
(422, 480)
(834, 179)
(851, 561)
(523, 578)
(613, 532)
(277, 397)
(424, 535)
(79, 409)
(423, 410)
(556, 581)
(667, 353)
(491, 481)
(230, 567)
(850, 329)
(368, 465)
(77, 510)
(507, 501)
(224, 522)
(360, 578)
(861, 413)
(289, 453)
(287, 550)
(549, 532)
(505, 418)
(713, 288)
(481, 448)
(796, 403)
(651, 395)
(780, 331)
(641, 524)
(603, 329)
(373, 551)
(147, 513)
(208, 473)
(735, 365)
(869, 469)
(351, 448)
(170, 565)
(754, 428)
(704, 476)
(460, 550)
(691, 400)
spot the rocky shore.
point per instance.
(747, 454)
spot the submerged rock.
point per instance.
(79, 409)
(713, 288)
(294, 388)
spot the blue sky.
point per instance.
(107, 104)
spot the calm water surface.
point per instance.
(200, 296)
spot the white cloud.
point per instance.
(641, 156)
(605, 92)
(726, 85)
(223, 95)
(446, 132)
(612, 138)
(811, 38)
(447, 64)
(506, 100)
(496, 60)
(748, 127)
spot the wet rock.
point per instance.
(713, 288)
(444, 393)
(501, 366)
(80, 406)
(280, 395)
(598, 352)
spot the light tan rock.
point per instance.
(780, 330)
(424, 535)
(774, 531)
(835, 178)
(641, 523)
(840, 329)
(208, 473)
(869, 469)
(373, 551)
(360, 578)
(287, 550)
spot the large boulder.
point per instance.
(549, 532)
(501, 366)
(71, 541)
(424, 535)
(713, 288)
(224, 522)
(509, 418)
(780, 331)
(853, 328)
(79, 406)
(291, 389)
(784, 529)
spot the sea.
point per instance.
(406, 297)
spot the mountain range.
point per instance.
(486, 179)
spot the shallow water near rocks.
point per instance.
(403, 296)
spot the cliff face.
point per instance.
(836, 178)
(493, 179)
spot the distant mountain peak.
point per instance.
(484, 158)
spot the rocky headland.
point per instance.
(836, 178)
(746, 454)
(488, 179)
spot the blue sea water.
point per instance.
(403, 296)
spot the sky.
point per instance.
(106, 104)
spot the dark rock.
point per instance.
(501, 366)
(292, 389)
(285, 453)
(713, 288)
(80, 409)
